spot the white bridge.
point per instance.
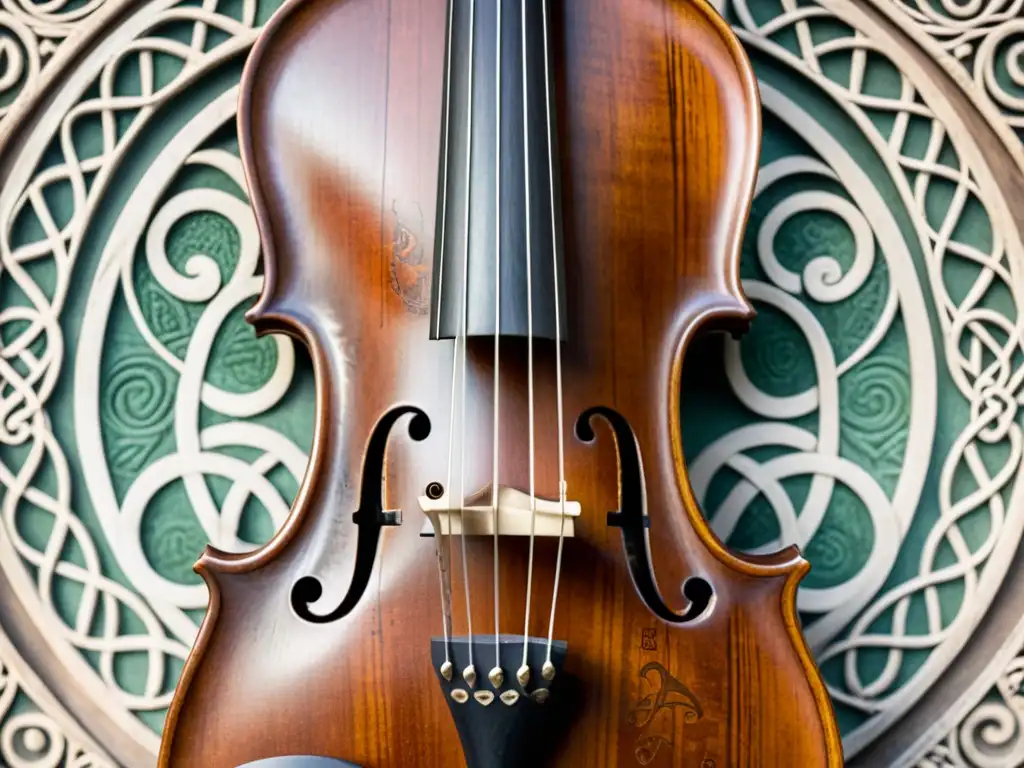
(515, 516)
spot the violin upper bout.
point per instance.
(312, 119)
(722, 304)
(719, 302)
(246, 116)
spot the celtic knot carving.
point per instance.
(172, 388)
(986, 39)
(942, 756)
(49, 203)
(974, 281)
(855, 380)
(198, 262)
(30, 33)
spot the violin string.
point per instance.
(562, 490)
(451, 445)
(444, 561)
(523, 674)
(470, 672)
(444, 573)
(496, 672)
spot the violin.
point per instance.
(497, 226)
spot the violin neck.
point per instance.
(498, 233)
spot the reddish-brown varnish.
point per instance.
(658, 124)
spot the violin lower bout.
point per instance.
(730, 692)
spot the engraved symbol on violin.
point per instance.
(410, 272)
(649, 639)
(655, 712)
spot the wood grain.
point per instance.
(658, 130)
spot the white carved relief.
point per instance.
(147, 221)
(978, 350)
(817, 455)
(986, 39)
(30, 33)
(980, 344)
(33, 362)
(992, 734)
(981, 44)
(34, 734)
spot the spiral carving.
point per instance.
(876, 403)
(831, 550)
(140, 395)
(989, 735)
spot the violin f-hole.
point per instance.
(370, 518)
(632, 520)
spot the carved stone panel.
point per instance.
(872, 415)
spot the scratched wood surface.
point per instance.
(658, 128)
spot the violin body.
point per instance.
(329, 639)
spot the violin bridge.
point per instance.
(515, 516)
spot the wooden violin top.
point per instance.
(497, 225)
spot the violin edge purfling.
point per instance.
(657, 168)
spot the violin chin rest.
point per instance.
(299, 761)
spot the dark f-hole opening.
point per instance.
(632, 520)
(370, 518)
